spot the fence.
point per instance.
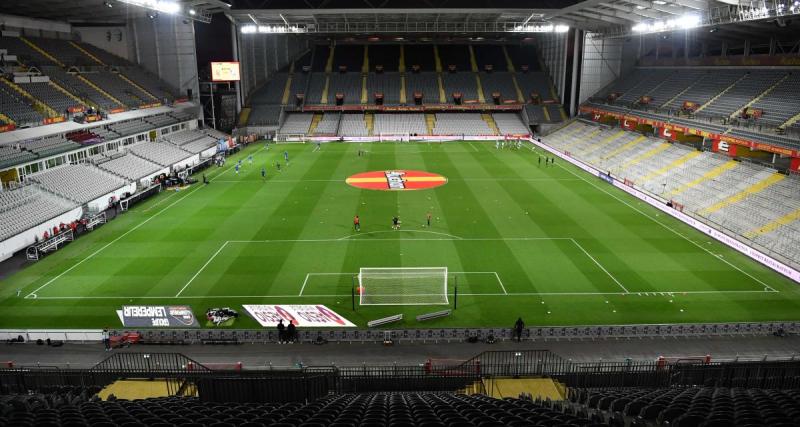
(308, 383)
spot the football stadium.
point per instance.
(400, 213)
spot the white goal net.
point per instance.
(291, 137)
(403, 286)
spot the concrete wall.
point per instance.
(165, 46)
(112, 39)
(22, 240)
(553, 49)
(605, 60)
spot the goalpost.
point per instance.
(403, 286)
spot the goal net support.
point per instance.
(403, 286)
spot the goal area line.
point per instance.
(449, 273)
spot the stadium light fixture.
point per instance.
(271, 29)
(541, 28)
(165, 6)
(108, 4)
(684, 22)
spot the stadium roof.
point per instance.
(99, 11)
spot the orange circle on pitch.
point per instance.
(396, 180)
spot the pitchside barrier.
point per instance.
(661, 204)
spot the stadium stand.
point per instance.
(534, 82)
(151, 83)
(16, 107)
(387, 56)
(708, 85)
(328, 125)
(461, 124)
(63, 51)
(387, 83)
(160, 153)
(425, 83)
(25, 54)
(11, 155)
(316, 88)
(48, 94)
(463, 82)
(500, 82)
(118, 88)
(80, 88)
(26, 207)
(743, 91)
(510, 123)
(490, 55)
(750, 200)
(780, 104)
(348, 84)
(350, 56)
(271, 93)
(129, 167)
(265, 115)
(81, 183)
(353, 125)
(400, 124)
(420, 55)
(454, 54)
(296, 123)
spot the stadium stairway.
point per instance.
(479, 87)
(57, 87)
(794, 119)
(364, 92)
(41, 51)
(546, 115)
(437, 61)
(442, 95)
(369, 121)
(674, 164)
(753, 189)
(5, 119)
(738, 112)
(724, 91)
(86, 52)
(500, 388)
(329, 61)
(491, 123)
(713, 173)
(646, 155)
(509, 62)
(402, 87)
(140, 88)
(97, 88)
(244, 116)
(287, 88)
(473, 63)
(40, 106)
(772, 226)
(323, 99)
(401, 67)
(617, 151)
(314, 123)
(430, 122)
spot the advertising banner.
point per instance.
(310, 315)
(629, 123)
(157, 316)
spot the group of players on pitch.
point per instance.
(395, 222)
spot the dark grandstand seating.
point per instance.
(348, 84)
(77, 407)
(350, 56)
(419, 54)
(386, 55)
(426, 83)
(455, 54)
(387, 83)
(63, 51)
(524, 55)
(25, 54)
(320, 58)
(17, 107)
(80, 88)
(490, 55)
(695, 406)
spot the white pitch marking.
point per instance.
(600, 265)
(500, 282)
(669, 228)
(202, 268)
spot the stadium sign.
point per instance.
(396, 180)
(157, 316)
(301, 315)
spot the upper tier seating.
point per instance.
(63, 51)
(708, 85)
(498, 82)
(350, 56)
(490, 55)
(321, 54)
(524, 55)
(426, 83)
(150, 82)
(461, 124)
(184, 137)
(161, 153)
(27, 207)
(454, 54)
(510, 123)
(742, 92)
(80, 88)
(264, 115)
(386, 55)
(272, 92)
(780, 104)
(315, 89)
(130, 167)
(296, 123)
(348, 84)
(463, 82)
(400, 124)
(387, 83)
(421, 55)
(51, 96)
(81, 183)
(106, 57)
(17, 108)
(118, 88)
(353, 125)
(25, 54)
(535, 82)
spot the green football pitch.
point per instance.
(550, 244)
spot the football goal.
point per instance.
(403, 286)
(291, 138)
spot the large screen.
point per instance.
(225, 71)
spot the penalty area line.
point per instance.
(201, 269)
(600, 265)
